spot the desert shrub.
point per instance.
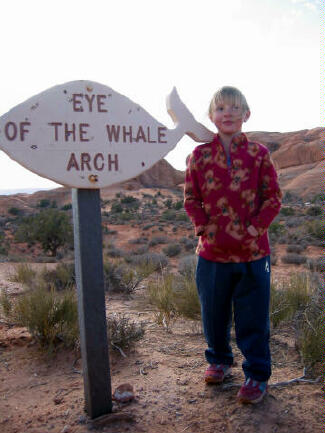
(148, 226)
(316, 265)
(318, 198)
(187, 266)
(130, 201)
(168, 215)
(51, 228)
(140, 240)
(122, 332)
(311, 331)
(116, 208)
(50, 317)
(186, 298)
(182, 217)
(291, 197)
(15, 211)
(5, 303)
(66, 207)
(157, 240)
(274, 259)
(276, 229)
(161, 295)
(188, 243)
(173, 296)
(4, 246)
(120, 278)
(287, 211)
(154, 260)
(293, 222)
(314, 211)
(141, 250)
(290, 299)
(295, 248)
(294, 259)
(60, 278)
(23, 274)
(172, 250)
(44, 203)
(178, 205)
(316, 229)
(113, 251)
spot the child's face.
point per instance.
(228, 116)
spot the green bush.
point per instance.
(172, 250)
(311, 331)
(316, 229)
(122, 332)
(294, 259)
(51, 228)
(314, 211)
(168, 215)
(290, 299)
(186, 298)
(187, 266)
(4, 246)
(50, 317)
(276, 229)
(24, 274)
(120, 278)
(295, 248)
(178, 205)
(60, 278)
(287, 211)
(173, 296)
(161, 295)
(157, 240)
(15, 211)
(155, 260)
(66, 207)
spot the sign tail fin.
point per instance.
(184, 119)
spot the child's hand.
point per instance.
(252, 231)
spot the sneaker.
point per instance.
(216, 373)
(252, 391)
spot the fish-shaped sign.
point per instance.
(85, 135)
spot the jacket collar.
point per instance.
(239, 140)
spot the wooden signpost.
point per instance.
(85, 135)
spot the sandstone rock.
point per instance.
(124, 393)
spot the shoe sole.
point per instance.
(213, 380)
(246, 401)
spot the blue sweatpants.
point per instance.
(246, 287)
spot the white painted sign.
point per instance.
(85, 135)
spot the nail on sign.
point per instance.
(85, 135)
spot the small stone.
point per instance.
(82, 419)
(66, 429)
(58, 400)
(124, 393)
(183, 382)
(192, 400)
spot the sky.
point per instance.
(270, 49)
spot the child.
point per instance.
(232, 195)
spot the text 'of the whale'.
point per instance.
(85, 135)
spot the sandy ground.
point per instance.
(41, 393)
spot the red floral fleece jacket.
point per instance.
(223, 196)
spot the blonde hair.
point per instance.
(231, 94)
